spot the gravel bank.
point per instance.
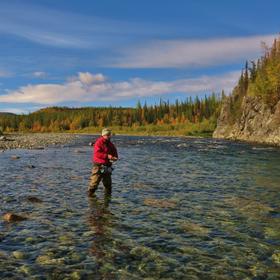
(35, 140)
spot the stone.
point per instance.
(30, 240)
(3, 255)
(161, 203)
(276, 257)
(34, 199)
(194, 229)
(76, 275)
(15, 157)
(47, 260)
(25, 269)
(19, 255)
(10, 217)
(79, 151)
(66, 240)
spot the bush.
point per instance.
(1, 131)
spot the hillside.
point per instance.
(252, 111)
(189, 117)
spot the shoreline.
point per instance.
(34, 141)
(40, 141)
(43, 140)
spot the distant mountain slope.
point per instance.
(6, 114)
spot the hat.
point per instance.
(106, 131)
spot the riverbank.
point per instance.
(34, 140)
(202, 129)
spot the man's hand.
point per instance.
(110, 157)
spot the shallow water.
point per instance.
(180, 209)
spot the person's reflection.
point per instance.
(99, 220)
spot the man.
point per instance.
(104, 154)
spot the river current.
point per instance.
(181, 208)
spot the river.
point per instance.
(181, 208)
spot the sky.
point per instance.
(114, 53)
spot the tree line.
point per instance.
(58, 119)
(260, 78)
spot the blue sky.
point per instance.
(101, 53)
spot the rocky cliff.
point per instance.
(255, 121)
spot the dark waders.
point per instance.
(100, 173)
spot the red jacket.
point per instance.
(102, 148)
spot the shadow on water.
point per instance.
(99, 221)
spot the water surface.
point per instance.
(181, 209)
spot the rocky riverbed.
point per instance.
(35, 140)
(220, 201)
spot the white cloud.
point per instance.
(39, 74)
(191, 53)
(66, 29)
(88, 78)
(98, 88)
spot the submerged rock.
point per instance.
(140, 185)
(25, 269)
(248, 206)
(47, 260)
(76, 275)
(79, 151)
(162, 203)
(10, 217)
(271, 233)
(276, 257)
(15, 157)
(66, 240)
(74, 177)
(3, 255)
(19, 255)
(194, 228)
(34, 199)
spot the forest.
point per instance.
(260, 78)
(191, 116)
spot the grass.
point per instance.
(202, 129)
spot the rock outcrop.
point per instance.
(255, 122)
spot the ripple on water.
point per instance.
(204, 208)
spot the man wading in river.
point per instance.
(104, 154)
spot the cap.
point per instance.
(106, 131)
